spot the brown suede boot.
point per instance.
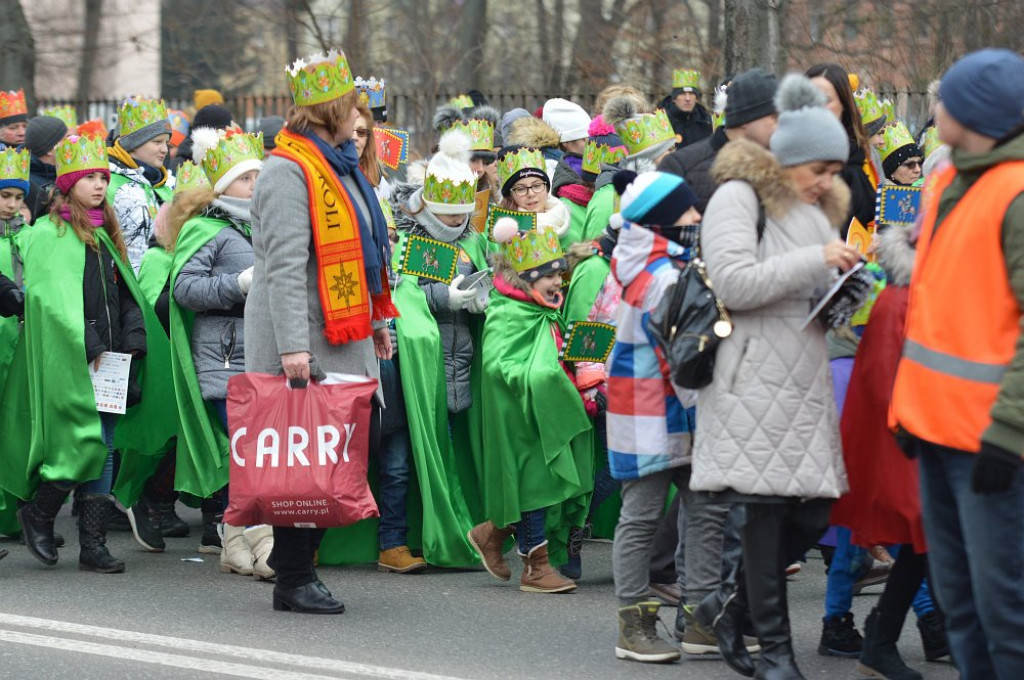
(539, 577)
(488, 540)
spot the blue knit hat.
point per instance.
(984, 92)
(653, 198)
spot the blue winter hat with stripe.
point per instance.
(653, 198)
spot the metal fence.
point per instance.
(413, 112)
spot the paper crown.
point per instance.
(12, 103)
(463, 101)
(520, 159)
(479, 131)
(644, 131)
(179, 126)
(94, 128)
(230, 149)
(930, 141)
(448, 191)
(595, 155)
(530, 251)
(890, 111)
(319, 78)
(896, 137)
(190, 176)
(74, 154)
(870, 109)
(372, 92)
(137, 112)
(64, 113)
(717, 119)
(682, 77)
(14, 164)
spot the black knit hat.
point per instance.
(42, 134)
(751, 95)
(898, 157)
(212, 116)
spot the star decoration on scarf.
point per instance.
(344, 285)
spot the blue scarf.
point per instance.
(374, 235)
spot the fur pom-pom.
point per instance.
(616, 221)
(445, 117)
(488, 113)
(456, 145)
(796, 91)
(599, 128)
(505, 229)
(203, 140)
(619, 109)
(416, 173)
(721, 99)
(622, 179)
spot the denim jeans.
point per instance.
(844, 571)
(530, 530)
(395, 451)
(976, 556)
(105, 482)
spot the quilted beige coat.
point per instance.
(767, 424)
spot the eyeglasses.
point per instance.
(911, 165)
(535, 188)
(361, 132)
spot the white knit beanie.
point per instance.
(568, 119)
(448, 173)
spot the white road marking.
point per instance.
(248, 654)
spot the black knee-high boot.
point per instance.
(36, 519)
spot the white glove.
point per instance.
(245, 280)
(478, 305)
(458, 299)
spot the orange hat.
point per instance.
(93, 128)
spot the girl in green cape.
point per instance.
(210, 278)
(538, 473)
(80, 304)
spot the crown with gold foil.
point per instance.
(463, 101)
(94, 128)
(319, 78)
(372, 92)
(449, 191)
(520, 159)
(682, 78)
(189, 177)
(479, 131)
(930, 141)
(137, 112)
(644, 131)
(230, 149)
(871, 112)
(534, 250)
(14, 164)
(64, 113)
(12, 104)
(890, 111)
(595, 155)
(74, 154)
(896, 137)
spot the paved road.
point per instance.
(169, 618)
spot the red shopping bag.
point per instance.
(299, 455)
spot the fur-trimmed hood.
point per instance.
(531, 131)
(413, 217)
(749, 162)
(500, 266)
(896, 254)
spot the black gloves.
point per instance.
(12, 300)
(995, 469)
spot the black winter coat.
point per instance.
(862, 194)
(113, 320)
(42, 185)
(693, 164)
(689, 127)
(12, 301)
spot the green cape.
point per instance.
(599, 211)
(9, 332)
(577, 219)
(64, 441)
(537, 435)
(154, 272)
(155, 196)
(202, 459)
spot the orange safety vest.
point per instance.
(963, 320)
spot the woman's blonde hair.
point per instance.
(368, 162)
(186, 205)
(83, 226)
(330, 115)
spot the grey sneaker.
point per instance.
(696, 638)
(638, 635)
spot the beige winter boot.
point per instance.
(539, 577)
(235, 556)
(261, 541)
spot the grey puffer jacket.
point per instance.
(767, 424)
(453, 327)
(208, 285)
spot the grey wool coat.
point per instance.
(283, 312)
(767, 424)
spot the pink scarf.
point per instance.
(95, 215)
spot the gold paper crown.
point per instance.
(870, 109)
(137, 112)
(463, 101)
(372, 92)
(896, 137)
(930, 141)
(644, 131)
(231, 149)
(479, 131)
(190, 176)
(319, 78)
(682, 77)
(890, 111)
(74, 154)
(520, 159)
(531, 250)
(15, 164)
(64, 113)
(595, 155)
(12, 103)
(447, 191)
